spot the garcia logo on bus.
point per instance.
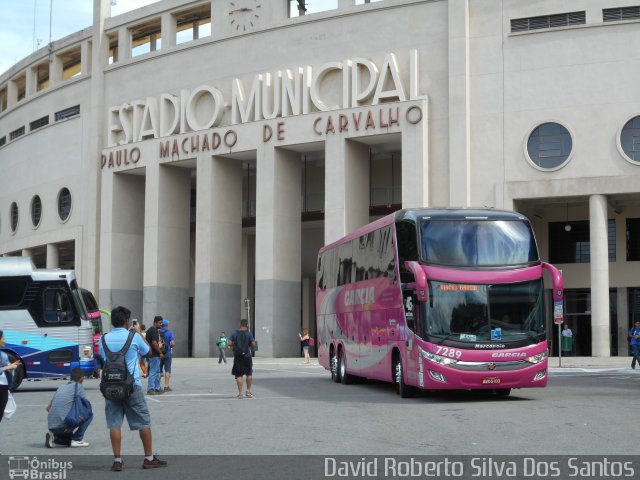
(361, 296)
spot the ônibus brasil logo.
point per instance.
(35, 469)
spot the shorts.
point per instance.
(305, 348)
(165, 364)
(242, 365)
(134, 407)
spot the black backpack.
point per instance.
(164, 346)
(241, 344)
(117, 382)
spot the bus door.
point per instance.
(59, 339)
(412, 321)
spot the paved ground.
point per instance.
(298, 410)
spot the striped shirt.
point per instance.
(61, 404)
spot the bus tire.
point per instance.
(335, 371)
(345, 378)
(402, 388)
(18, 373)
(502, 392)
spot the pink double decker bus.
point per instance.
(437, 299)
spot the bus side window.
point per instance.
(407, 248)
(57, 307)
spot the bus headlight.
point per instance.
(537, 358)
(438, 359)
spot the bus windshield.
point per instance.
(470, 312)
(467, 242)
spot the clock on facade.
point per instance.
(244, 14)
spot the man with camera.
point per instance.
(134, 406)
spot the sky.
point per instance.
(24, 24)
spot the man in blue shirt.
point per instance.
(243, 342)
(165, 362)
(634, 336)
(135, 406)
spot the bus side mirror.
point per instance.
(419, 287)
(557, 283)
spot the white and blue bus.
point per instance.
(45, 321)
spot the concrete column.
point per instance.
(153, 41)
(623, 321)
(600, 340)
(278, 251)
(124, 44)
(122, 242)
(92, 143)
(31, 82)
(27, 252)
(85, 58)
(169, 29)
(166, 249)
(415, 162)
(55, 71)
(218, 250)
(459, 105)
(12, 93)
(53, 255)
(346, 199)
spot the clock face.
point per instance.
(243, 14)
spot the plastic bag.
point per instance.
(11, 407)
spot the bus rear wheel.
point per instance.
(335, 373)
(18, 373)
(402, 388)
(502, 392)
(345, 378)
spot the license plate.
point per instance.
(490, 380)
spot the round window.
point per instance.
(13, 213)
(64, 204)
(630, 139)
(549, 146)
(36, 210)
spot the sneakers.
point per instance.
(152, 392)
(116, 467)
(249, 395)
(633, 367)
(240, 397)
(155, 463)
(168, 389)
(49, 442)
(79, 443)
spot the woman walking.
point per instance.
(304, 338)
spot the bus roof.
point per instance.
(24, 267)
(416, 214)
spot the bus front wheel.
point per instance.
(345, 378)
(18, 373)
(402, 389)
(335, 373)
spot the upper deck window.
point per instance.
(464, 243)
